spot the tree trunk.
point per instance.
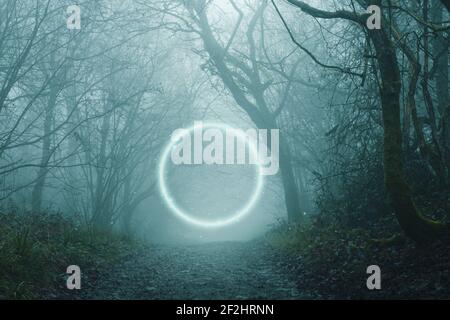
(127, 211)
(36, 195)
(414, 224)
(440, 67)
(438, 164)
(431, 156)
(100, 216)
(289, 185)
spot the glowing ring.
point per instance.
(205, 223)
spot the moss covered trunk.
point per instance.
(414, 224)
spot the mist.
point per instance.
(325, 136)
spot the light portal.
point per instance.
(187, 217)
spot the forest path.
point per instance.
(222, 270)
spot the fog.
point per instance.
(91, 95)
(224, 149)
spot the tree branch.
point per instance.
(318, 13)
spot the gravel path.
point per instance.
(223, 270)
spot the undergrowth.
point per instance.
(331, 261)
(36, 249)
(320, 244)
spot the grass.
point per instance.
(36, 249)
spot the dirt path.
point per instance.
(226, 270)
